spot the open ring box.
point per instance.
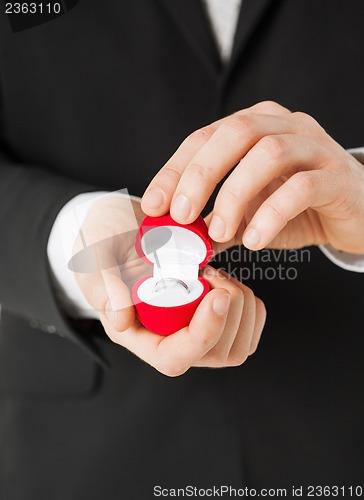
(166, 301)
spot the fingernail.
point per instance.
(251, 238)
(221, 304)
(181, 207)
(208, 271)
(109, 313)
(217, 228)
(154, 198)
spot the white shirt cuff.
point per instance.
(348, 261)
(63, 235)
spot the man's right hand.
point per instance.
(224, 331)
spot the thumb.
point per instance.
(187, 346)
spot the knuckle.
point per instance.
(260, 307)
(238, 295)
(303, 183)
(238, 357)
(301, 116)
(308, 125)
(254, 346)
(253, 349)
(170, 368)
(228, 194)
(248, 293)
(269, 106)
(201, 172)
(201, 135)
(274, 212)
(305, 119)
(170, 171)
(216, 359)
(274, 146)
(240, 124)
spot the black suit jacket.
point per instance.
(99, 98)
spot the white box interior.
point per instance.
(176, 256)
(172, 295)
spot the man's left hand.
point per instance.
(289, 184)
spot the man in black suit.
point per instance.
(99, 99)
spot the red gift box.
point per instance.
(166, 301)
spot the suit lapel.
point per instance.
(190, 17)
(251, 13)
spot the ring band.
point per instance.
(174, 280)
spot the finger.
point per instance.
(252, 207)
(273, 156)
(227, 145)
(247, 330)
(260, 317)
(218, 247)
(251, 320)
(218, 355)
(299, 192)
(240, 349)
(175, 354)
(157, 198)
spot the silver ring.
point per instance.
(168, 280)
